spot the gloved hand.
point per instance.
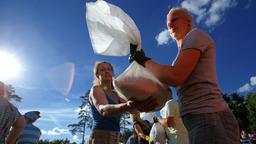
(138, 56)
(149, 139)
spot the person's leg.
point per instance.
(104, 137)
(231, 127)
(205, 128)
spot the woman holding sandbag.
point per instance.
(107, 106)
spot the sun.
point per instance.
(9, 66)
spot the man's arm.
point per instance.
(17, 128)
(177, 74)
(166, 122)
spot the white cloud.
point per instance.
(208, 12)
(245, 88)
(248, 87)
(75, 137)
(253, 80)
(78, 110)
(55, 131)
(163, 37)
(196, 7)
(67, 100)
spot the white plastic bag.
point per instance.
(111, 30)
(138, 83)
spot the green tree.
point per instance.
(237, 105)
(251, 107)
(126, 134)
(85, 118)
(57, 141)
(125, 126)
(124, 122)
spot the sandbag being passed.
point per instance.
(110, 29)
(138, 83)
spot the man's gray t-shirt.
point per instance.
(200, 92)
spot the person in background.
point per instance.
(157, 132)
(30, 134)
(107, 106)
(142, 128)
(171, 120)
(11, 121)
(204, 112)
(245, 139)
(133, 139)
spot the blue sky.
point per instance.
(50, 40)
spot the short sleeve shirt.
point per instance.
(200, 93)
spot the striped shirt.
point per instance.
(29, 135)
(8, 115)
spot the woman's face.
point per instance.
(105, 72)
(177, 25)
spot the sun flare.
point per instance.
(9, 66)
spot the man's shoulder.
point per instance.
(194, 33)
(31, 127)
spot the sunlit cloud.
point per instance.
(248, 87)
(163, 37)
(253, 80)
(245, 88)
(75, 137)
(67, 100)
(55, 131)
(208, 12)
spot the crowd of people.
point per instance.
(248, 137)
(201, 116)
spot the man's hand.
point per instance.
(149, 139)
(138, 56)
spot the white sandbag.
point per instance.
(138, 83)
(110, 29)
